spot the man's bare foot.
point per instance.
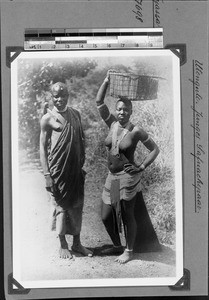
(125, 257)
(65, 253)
(82, 250)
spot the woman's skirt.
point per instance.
(121, 186)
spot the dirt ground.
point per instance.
(38, 246)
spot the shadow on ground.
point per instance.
(166, 255)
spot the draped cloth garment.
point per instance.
(146, 238)
(65, 160)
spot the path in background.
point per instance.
(39, 246)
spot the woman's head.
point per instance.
(123, 110)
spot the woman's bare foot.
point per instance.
(125, 257)
(65, 253)
(82, 250)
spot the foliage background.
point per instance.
(83, 77)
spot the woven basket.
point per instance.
(133, 87)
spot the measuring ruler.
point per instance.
(67, 39)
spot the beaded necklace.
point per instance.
(117, 138)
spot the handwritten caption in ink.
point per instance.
(156, 13)
(198, 151)
(138, 10)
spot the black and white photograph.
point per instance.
(96, 168)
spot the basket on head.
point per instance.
(133, 87)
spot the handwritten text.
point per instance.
(198, 152)
(138, 10)
(156, 12)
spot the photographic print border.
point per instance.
(178, 173)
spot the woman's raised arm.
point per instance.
(102, 91)
(102, 107)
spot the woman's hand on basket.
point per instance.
(133, 169)
(108, 74)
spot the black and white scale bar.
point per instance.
(143, 39)
(47, 33)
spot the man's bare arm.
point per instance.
(44, 135)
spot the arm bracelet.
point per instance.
(46, 174)
(142, 166)
(146, 140)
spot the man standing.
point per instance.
(62, 157)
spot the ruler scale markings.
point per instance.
(61, 39)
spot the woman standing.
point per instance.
(124, 178)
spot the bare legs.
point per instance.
(64, 251)
(130, 229)
(61, 229)
(76, 247)
(108, 221)
(127, 209)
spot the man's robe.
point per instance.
(66, 160)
